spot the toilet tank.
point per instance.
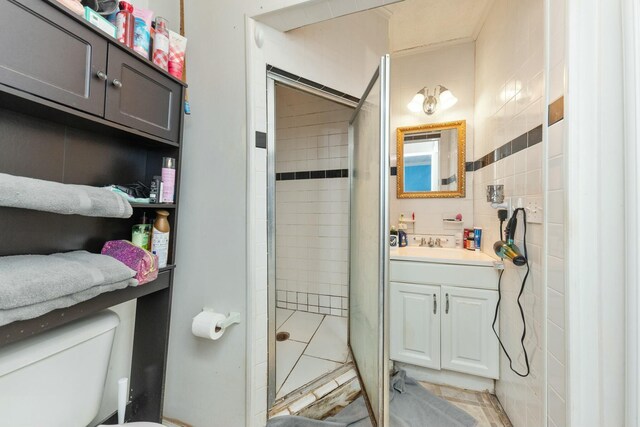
(56, 378)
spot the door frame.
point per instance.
(631, 54)
(595, 213)
(382, 73)
(274, 79)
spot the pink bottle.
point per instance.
(161, 44)
(168, 179)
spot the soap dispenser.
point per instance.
(402, 238)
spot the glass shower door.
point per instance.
(368, 241)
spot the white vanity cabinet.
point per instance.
(415, 324)
(441, 316)
(468, 343)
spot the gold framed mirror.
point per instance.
(431, 160)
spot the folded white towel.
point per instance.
(66, 199)
(38, 309)
(32, 279)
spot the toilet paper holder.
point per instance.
(232, 318)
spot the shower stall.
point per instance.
(327, 169)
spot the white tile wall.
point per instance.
(312, 215)
(452, 67)
(509, 102)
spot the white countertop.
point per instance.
(441, 256)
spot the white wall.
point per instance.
(509, 102)
(454, 68)
(312, 215)
(206, 380)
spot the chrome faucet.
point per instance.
(423, 241)
(430, 242)
(438, 243)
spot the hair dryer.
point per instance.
(508, 249)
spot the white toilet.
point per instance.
(56, 378)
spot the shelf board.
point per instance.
(26, 103)
(154, 205)
(20, 330)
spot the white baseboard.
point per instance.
(455, 379)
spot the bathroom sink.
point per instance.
(441, 255)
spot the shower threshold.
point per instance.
(323, 397)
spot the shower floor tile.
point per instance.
(317, 346)
(301, 325)
(282, 315)
(330, 341)
(287, 355)
(306, 370)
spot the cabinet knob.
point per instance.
(117, 83)
(435, 304)
(101, 75)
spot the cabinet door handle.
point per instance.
(101, 75)
(435, 304)
(117, 83)
(446, 309)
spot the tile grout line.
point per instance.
(301, 354)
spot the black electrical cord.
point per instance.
(524, 323)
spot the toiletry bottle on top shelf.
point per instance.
(161, 44)
(125, 24)
(160, 238)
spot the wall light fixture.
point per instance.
(442, 99)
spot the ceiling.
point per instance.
(421, 23)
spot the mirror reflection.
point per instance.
(431, 160)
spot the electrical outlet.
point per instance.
(534, 211)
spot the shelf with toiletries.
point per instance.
(92, 81)
(17, 331)
(81, 19)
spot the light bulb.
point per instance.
(447, 100)
(415, 105)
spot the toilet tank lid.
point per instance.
(31, 350)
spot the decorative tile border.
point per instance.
(311, 83)
(313, 303)
(526, 140)
(319, 174)
(556, 111)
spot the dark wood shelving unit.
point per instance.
(59, 121)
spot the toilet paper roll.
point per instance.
(205, 325)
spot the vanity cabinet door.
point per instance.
(415, 324)
(142, 98)
(468, 342)
(52, 56)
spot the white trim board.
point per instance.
(595, 214)
(631, 53)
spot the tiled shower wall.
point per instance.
(312, 203)
(508, 119)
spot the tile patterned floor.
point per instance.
(317, 345)
(483, 406)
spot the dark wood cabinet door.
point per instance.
(51, 55)
(142, 98)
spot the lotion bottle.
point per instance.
(160, 238)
